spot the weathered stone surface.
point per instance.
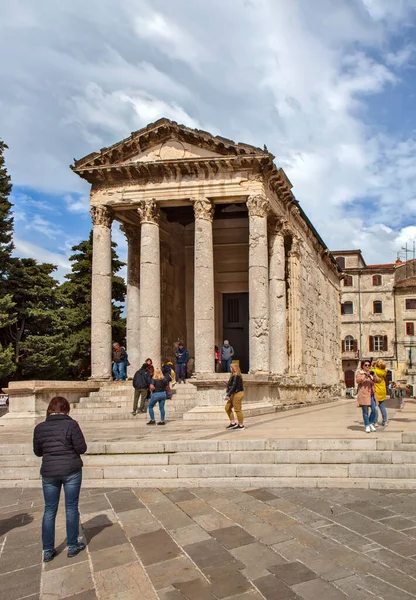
(68, 581)
(127, 582)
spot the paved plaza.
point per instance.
(206, 544)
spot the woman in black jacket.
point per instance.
(60, 441)
(234, 397)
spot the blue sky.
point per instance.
(328, 85)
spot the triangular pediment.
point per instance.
(166, 140)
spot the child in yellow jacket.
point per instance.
(380, 389)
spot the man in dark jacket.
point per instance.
(119, 362)
(182, 357)
(141, 382)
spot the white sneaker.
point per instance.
(372, 428)
(367, 429)
(375, 425)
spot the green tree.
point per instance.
(7, 319)
(76, 297)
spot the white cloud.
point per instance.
(78, 205)
(26, 249)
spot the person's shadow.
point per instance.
(19, 520)
(95, 525)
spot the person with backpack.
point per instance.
(141, 383)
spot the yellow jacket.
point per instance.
(380, 389)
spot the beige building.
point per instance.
(218, 247)
(378, 312)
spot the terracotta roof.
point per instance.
(408, 282)
(382, 266)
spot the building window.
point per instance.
(347, 308)
(377, 307)
(341, 261)
(410, 303)
(349, 344)
(377, 280)
(348, 281)
(410, 328)
(377, 343)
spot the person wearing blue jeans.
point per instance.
(60, 442)
(227, 353)
(372, 418)
(365, 394)
(158, 386)
(51, 492)
(119, 362)
(182, 358)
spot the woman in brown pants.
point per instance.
(234, 397)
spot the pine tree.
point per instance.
(76, 297)
(6, 218)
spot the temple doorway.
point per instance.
(235, 326)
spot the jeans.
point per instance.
(370, 420)
(161, 398)
(226, 364)
(383, 411)
(51, 493)
(119, 371)
(180, 371)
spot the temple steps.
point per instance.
(364, 463)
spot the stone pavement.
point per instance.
(206, 544)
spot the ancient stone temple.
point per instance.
(218, 248)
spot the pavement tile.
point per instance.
(66, 582)
(88, 595)
(15, 520)
(126, 582)
(284, 505)
(16, 538)
(19, 558)
(274, 589)
(232, 537)
(197, 589)
(358, 523)
(123, 500)
(103, 519)
(318, 588)
(405, 548)
(411, 532)
(261, 494)
(212, 520)
(398, 523)
(350, 538)
(112, 557)
(292, 573)
(180, 495)
(105, 536)
(388, 537)
(384, 590)
(90, 504)
(194, 507)
(353, 587)
(61, 559)
(171, 572)
(209, 554)
(189, 535)
(328, 569)
(171, 517)
(18, 584)
(155, 547)
(171, 594)
(250, 595)
(264, 532)
(370, 510)
(225, 584)
(256, 557)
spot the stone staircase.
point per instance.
(114, 402)
(363, 463)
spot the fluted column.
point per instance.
(295, 330)
(258, 284)
(204, 330)
(132, 234)
(277, 298)
(101, 310)
(150, 312)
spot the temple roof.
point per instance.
(160, 132)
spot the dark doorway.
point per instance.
(235, 320)
(349, 379)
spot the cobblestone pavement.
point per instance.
(206, 544)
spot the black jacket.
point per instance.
(160, 385)
(60, 441)
(235, 385)
(141, 379)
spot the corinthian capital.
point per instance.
(258, 206)
(203, 208)
(101, 215)
(130, 231)
(149, 212)
(296, 248)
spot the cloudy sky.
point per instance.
(328, 85)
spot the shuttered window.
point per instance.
(410, 303)
(348, 281)
(410, 328)
(377, 307)
(377, 280)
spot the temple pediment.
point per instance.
(167, 140)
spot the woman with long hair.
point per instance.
(60, 442)
(365, 395)
(234, 397)
(158, 386)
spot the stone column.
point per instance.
(101, 308)
(277, 298)
(258, 284)
(295, 329)
(150, 305)
(132, 234)
(204, 324)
